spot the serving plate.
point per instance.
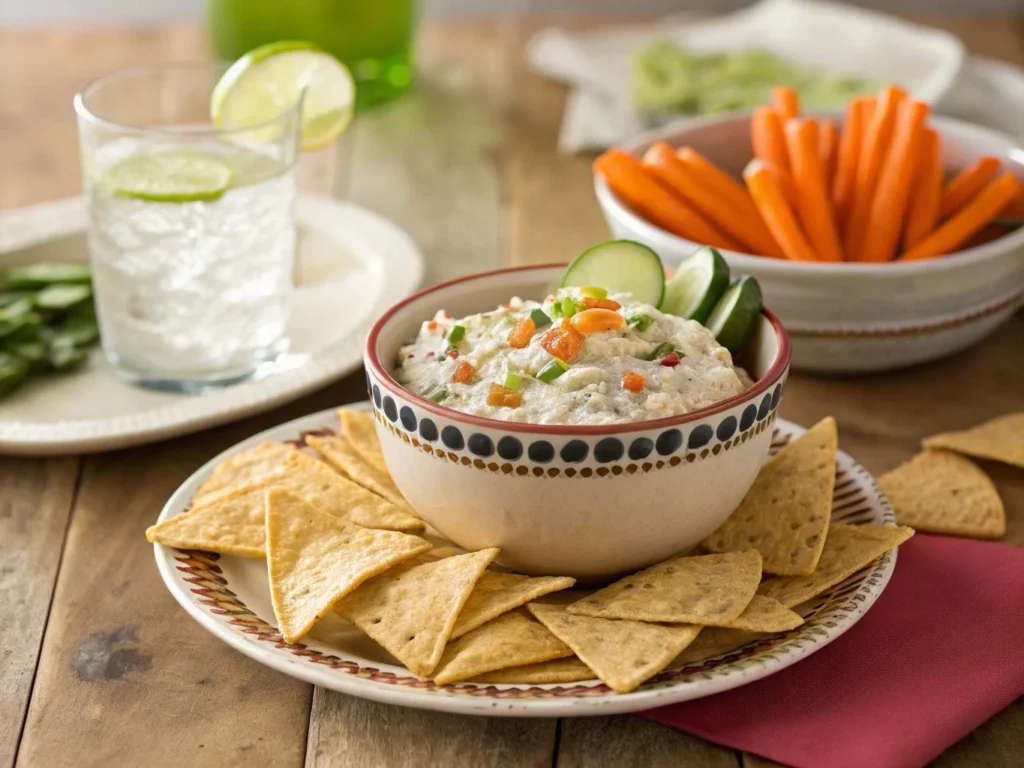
(229, 597)
(351, 265)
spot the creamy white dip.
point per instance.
(591, 391)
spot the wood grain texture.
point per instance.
(608, 742)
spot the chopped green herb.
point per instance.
(556, 309)
(513, 381)
(568, 307)
(593, 292)
(552, 370)
(642, 322)
(665, 348)
(539, 318)
(456, 334)
(438, 396)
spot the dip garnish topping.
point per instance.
(597, 320)
(602, 304)
(464, 373)
(564, 342)
(540, 319)
(503, 397)
(513, 381)
(438, 396)
(641, 321)
(522, 332)
(552, 370)
(633, 381)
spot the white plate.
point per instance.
(351, 266)
(229, 596)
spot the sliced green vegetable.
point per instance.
(36, 351)
(665, 348)
(11, 297)
(36, 276)
(540, 319)
(641, 321)
(552, 370)
(62, 296)
(81, 328)
(513, 381)
(439, 396)
(16, 309)
(736, 314)
(13, 371)
(593, 292)
(568, 307)
(456, 334)
(697, 285)
(621, 266)
(556, 309)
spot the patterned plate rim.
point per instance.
(197, 581)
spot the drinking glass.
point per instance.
(191, 292)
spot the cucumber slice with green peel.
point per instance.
(697, 285)
(734, 317)
(619, 266)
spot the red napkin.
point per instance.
(938, 654)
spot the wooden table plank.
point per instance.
(607, 742)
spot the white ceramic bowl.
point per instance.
(851, 317)
(591, 502)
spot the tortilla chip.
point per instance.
(1000, 439)
(622, 653)
(786, 512)
(511, 640)
(314, 559)
(358, 428)
(347, 460)
(714, 641)
(941, 492)
(244, 467)
(570, 670)
(764, 614)
(411, 609)
(847, 549)
(223, 526)
(683, 590)
(498, 593)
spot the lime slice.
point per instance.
(697, 285)
(175, 176)
(619, 266)
(270, 79)
(735, 315)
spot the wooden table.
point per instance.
(98, 665)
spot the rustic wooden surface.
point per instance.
(98, 664)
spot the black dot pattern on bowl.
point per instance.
(766, 406)
(726, 429)
(609, 449)
(509, 448)
(390, 409)
(480, 445)
(776, 396)
(541, 452)
(669, 441)
(452, 438)
(641, 448)
(575, 451)
(700, 436)
(747, 418)
(408, 418)
(428, 430)
(376, 395)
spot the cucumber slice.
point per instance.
(735, 315)
(620, 266)
(697, 285)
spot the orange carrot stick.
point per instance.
(768, 138)
(869, 165)
(966, 184)
(889, 204)
(734, 222)
(828, 146)
(858, 114)
(923, 211)
(785, 102)
(812, 203)
(972, 218)
(718, 181)
(631, 181)
(771, 202)
(1015, 210)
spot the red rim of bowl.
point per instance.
(774, 373)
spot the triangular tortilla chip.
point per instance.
(242, 468)
(622, 653)
(511, 640)
(683, 590)
(223, 526)
(847, 549)
(570, 670)
(347, 460)
(941, 492)
(763, 614)
(410, 610)
(1000, 439)
(358, 428)
(314, 559)
(785, 513)
(498, 593)
(714, 641)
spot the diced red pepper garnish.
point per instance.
(563, 342)
(597, 320)
(452, 353)
(522, 332)
(430, 354)
(463, 373)
(633, 381)
(447, 316)
(432, 325)
(670, 361)
(503, 397)
(601, 304)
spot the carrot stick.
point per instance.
(872, 154)
(858, 114)
(662, 162)
(828, 147)
(962, 225)
(631, 181)
(889, 204)
(812, 203)
(768, 138)
(771, 202)
(966, 184)
(785, 102)
(923, 211)
(1015, 210)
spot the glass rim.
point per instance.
(88, 115)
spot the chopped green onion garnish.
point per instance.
(540, 319)
(513, 381)
(665, 348)
(457, 333)
(552, 370)
(556, 309)
(642, 322)
(580, 306)
(438, 396)
(568, 307)
(593, 292)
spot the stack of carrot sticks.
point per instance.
(874, 191)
